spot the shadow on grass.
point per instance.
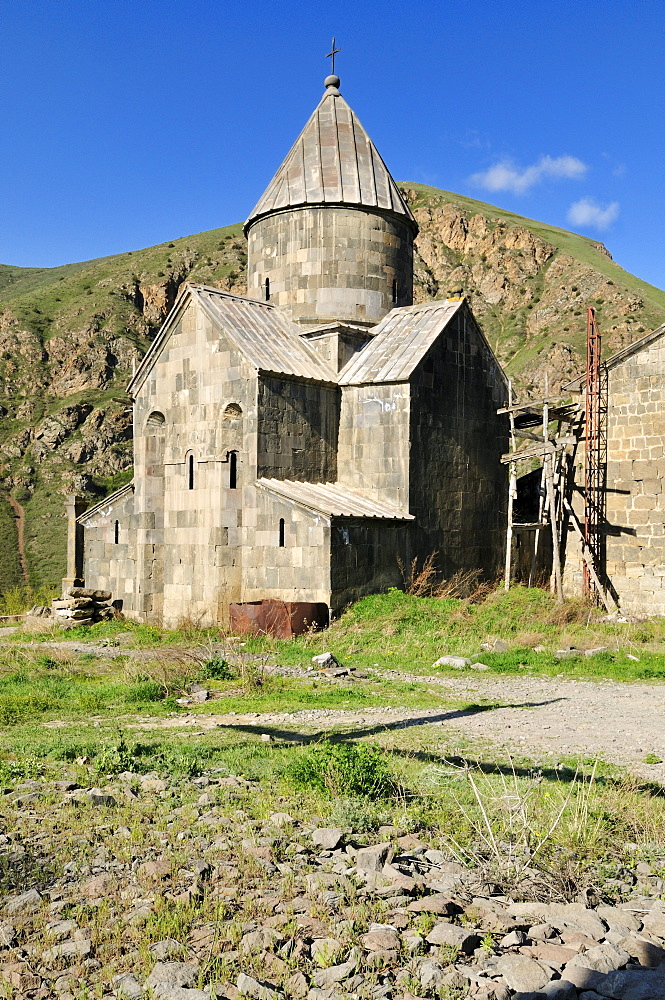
(289, 735)
(554, 774)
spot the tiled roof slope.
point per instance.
(333, 499)
(402, 338)
(264, 334)
(333, 160)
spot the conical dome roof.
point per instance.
(333, 161)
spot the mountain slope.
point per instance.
(69, 337)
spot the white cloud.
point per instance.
(587, 212)
(505, 176)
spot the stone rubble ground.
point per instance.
(429, 927)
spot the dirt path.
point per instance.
(620, 723)
(19, 513)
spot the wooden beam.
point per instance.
(609, 603)
(531, 404)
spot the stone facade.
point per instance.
(278, 462)
(634, 532)
(331, 264)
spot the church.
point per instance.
(295, 447)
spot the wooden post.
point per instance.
(512, 490)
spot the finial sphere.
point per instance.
(331, 81)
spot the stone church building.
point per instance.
(297, 444)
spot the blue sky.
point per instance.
(125, 124)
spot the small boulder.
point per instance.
(437, 903)
(27, 902)
(371, 859)
(327, 838)
(522, 973)
(325, 661)
(250, 987)
(456, 662)
(457, 937)
(167, 975)
(127, 987)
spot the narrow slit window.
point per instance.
(116, 532)
(233, 470)
(281, 533)
(394, 290)
(267, 289)
(190, 472)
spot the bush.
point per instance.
(345, 769)
(216, 669)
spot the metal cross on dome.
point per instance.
(332, 54)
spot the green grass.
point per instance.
(401, 632)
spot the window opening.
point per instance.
(394, 290)
(267, 289)
(190, 483)
(281, 532)
(116, 532)
(233, 470)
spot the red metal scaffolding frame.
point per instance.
(594, 464)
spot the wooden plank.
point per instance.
(544, 448)
(532, 404)
(535, 525)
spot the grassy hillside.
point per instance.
(70, 335)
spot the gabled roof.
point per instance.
(402, 338)
(333, 499)
(106, 506)
(577, 384)
(333, 161)
(259, 330)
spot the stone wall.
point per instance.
(374, 440)
(195, 419)
(458, 487)
(365, 558)
(109, 552)
(298, 570)
(331, 263)
(634, 533)
(298, 424)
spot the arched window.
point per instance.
(190, 472)
(232, 412)
(116, 532)
(233, 470)
(155, 421)
(282, 533)
(394, 290)
(267, 289)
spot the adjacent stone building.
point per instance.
(633, 528)
(298, 444)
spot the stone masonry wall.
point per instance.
(635, 502)
(297, 571)
(374, 440)
(298, 424)
(365, 557)
(457, 486)
(331, 263)
(190, 545)
(110, 564)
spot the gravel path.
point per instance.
(620, 723)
